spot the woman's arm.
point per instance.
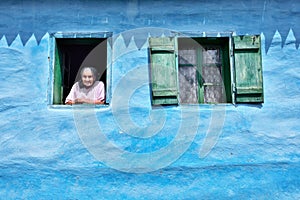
(82, 100)
(70, 102)
(70, 99)
(99, 93)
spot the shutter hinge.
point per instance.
(233, 88)
(231, 52)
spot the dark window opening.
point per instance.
(73, 53)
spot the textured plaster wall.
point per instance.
(43, 156)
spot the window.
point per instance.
(206, 70)
(73, 51)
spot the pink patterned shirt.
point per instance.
(95, 92)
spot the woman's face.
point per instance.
(87, 77)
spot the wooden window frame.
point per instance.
(240, 54)
(223, 44)
(56, 76)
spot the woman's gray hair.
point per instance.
(94, 72)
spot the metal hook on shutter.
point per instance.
(253, 40)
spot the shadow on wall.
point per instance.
(243, 17)
(141, 40)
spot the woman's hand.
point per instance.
(70, 102)
(99, 102)
(88, 101)
(83, 100)
(80, 100)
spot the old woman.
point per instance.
(88, 90)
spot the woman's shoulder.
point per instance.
(75, 85)
(99, 84)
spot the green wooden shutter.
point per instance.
(164, 79)
(57, 83)
(248, 69)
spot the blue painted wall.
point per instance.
(46, 152)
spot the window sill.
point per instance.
(227, 106)
(102, 107)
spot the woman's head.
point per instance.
(88, 76)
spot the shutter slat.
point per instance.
(162, 48)
(164, 92)
(250, 90)
(246, 42)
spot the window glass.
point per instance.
(212, 75)
(188, 81)
(201, 70)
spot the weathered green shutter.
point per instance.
(163, 71)
(57, 85)
(248, 69)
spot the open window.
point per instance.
(209, 70)
(73, 51)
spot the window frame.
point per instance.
(77, 35)
(223, 44)
(232, 79)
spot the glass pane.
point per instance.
(188, 85)
(214, 91)
(214, 94)
(187, 56)
(212, 75)
(211, 56)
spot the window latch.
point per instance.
(233, 88)
(253, 40)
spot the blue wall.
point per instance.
(50, 152)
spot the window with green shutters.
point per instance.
(207, 70)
